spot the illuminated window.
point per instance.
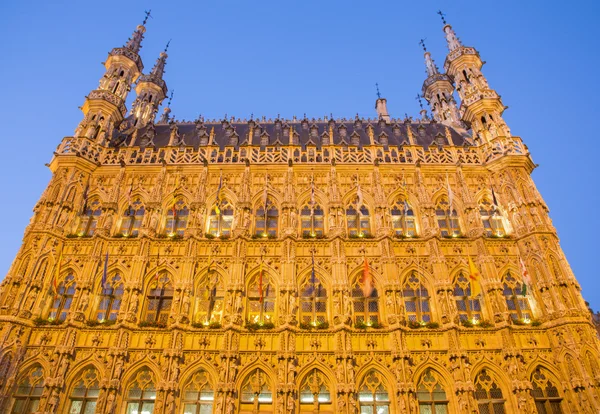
(84, 395)
(314, 391)
(63, 299)
(447, 220)
(221, 219)
(256, 390)
(313, 302)
(431, 395)
(141, 394)
(358, 221)
(403, 219)
(267, 220)
(366, 308)
(312, 220)
(29, 391)
(416, 300)
(210, 299)
(518, 305)
(110, 300)
(198, 395)
(160, 298)
(89, 219)
(373, 396)
(545, 394)
(177, 219)
(488, 395)
(469, 308)
(132, 219)
(261, 300)
(491, 219)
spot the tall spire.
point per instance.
(451, 38)
(134, 43)
(429, 64)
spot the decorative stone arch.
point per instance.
(226, 193)
(137, 193)
(321, 198)
(427, 376)
(413, 202)
(39, 381)
(375, 379)
(272, 195)
(160, 297)
(196, 366)
(312, 299)
(75, 375)
(150, 274)
(244, 401)
(552, 375)
(194, 384)
(440, 196)
(144, 363)
(267, 310)
(143, 373)
(208, 294)
(502, 381)
(350, 197)
(249, 369)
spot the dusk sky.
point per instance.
(314, 57)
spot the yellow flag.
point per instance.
(475, 277)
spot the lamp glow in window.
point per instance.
(177, 219)
(64, 299)
(221, 219)
(110, 300)
(403, 219)
(373, 396)
(314, 391)
(491, 219)
(266, 221)
(89, 219)
(312, 221)
(131, 222)
(416, 300)
(447, 220)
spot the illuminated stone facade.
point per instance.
(304, 265)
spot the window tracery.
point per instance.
(110, 299)
(63, 298)
(256, 389)
(431, 394)
(261, 299)
(85, 392)
(447, 220)
(416, 300)
(267, 220)
(403, 219)
(221, 219)
(131, 222)
(177, 219)
(517, 303)
(491, 219)
(488, 394)
(313, 301)
(89, 219)
(315, 390)
(312, 219)
(357, 219)
(141, 393)
(198, 394)
(159, 299)
(373, 396)
(469, 308)
(366, 308)
(29, 392)
(210, 296)
(545, 394)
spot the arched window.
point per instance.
(89, 219)
(544, 393)
(447, 220)
(312, 221)
(210, 299)
(29, 391)
(177, 219)
(488, 395)
(160, 298)
(110, 300)
(469, 308)
(431, 395)
(84, 395)
(261, 299)
(221, 219)
(198, 394)
(373, 396)
(491, 219)
(416, 300)
(267, 220)
(517, 303)
(141, 393)
(366, 308)
(63, 299)
(132, 219)
(256, 392)
(358, 221)
(314, 391)
(403, 219)
(313, 301)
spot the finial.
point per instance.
(167, 46)
(443, 16)
(378, 94)
(170, 98)
(252, 115)
(418, 98)
(422, 43)
(147, 12)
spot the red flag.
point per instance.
(366, 280)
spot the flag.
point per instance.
(54, 285)
(312, 275)
(450, 195)
(217, 209)
(475, 277)
(494, 200)
(359, 195)
(85, 199)
(525, 276)
(406, 208)
(260, 284)
(105, 273)
(366, 280)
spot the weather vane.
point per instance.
(422, 43)
(442, 15)
(418, 98)
(378, 94)
(147, 15)
(170, 98)
(167, 46)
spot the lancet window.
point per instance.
(488, 395)
(312, 219)
(267, 220)
(84, 396)
(403, 219)
(198, 394)
(365, 303)
(261, 299)
(89, 219)
(141, 393)
(447, 219)
(159, 300)
(256, 390)
(131, 221)
(315, 391)
(373, 396)
(431, 394)
(469, 308)
(491, 219)
(313, 301)
(63, 298)
(110, 300)
(29, 391)
(210, 298)
(177, 219)
(516, 301)
(357, 218)
(416, 299)
(221, 219)
(545, 394)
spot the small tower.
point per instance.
(381, 106)
(439, 93)
(151, 90)
(481, 107)
(104, 108)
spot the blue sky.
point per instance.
(313, 57)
